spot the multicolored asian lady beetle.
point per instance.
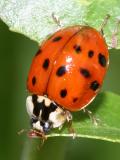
(66, 74)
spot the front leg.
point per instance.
(70, 126)
(33, 133)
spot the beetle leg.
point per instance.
(94, 120)
(56, 20)
(36, 134)
(105, 21)
(70, 127)
(114, 40)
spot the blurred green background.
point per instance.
(16, 52)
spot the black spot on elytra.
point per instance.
(33, 80)
(61, 71)
(90, 54)
(85, 72)
(38, 52)
(94, 85)
(63, 93)
(58, 38)
(77, 48)
(102, 60)
(75, 99)
(46, 63)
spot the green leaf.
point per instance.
(106, 107)
(33, 18)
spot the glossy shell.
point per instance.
(70, 67)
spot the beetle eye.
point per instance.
(46, 126)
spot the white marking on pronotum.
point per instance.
(29, 106)
(57, 117)
(47, 100)
(37, 126)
